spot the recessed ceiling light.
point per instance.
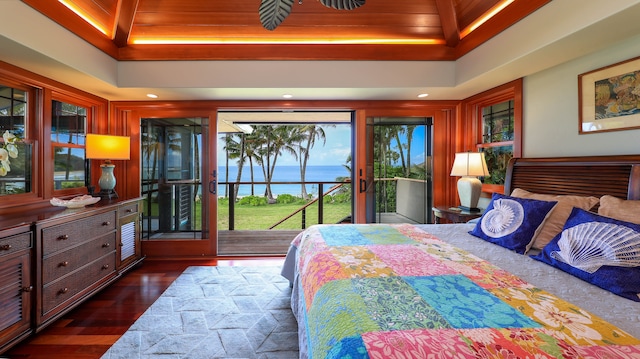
(423, 95)
(152, 95)
(287, 96)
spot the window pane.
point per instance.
(13, 111)
(497, 161)
(15, 173)
(497, 122)
(69, 169)
(15, 156)
(68, 123)
(68, 130)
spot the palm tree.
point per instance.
(252, 143)
(234, 150)
(397, 131)
(310, 134)
(279, 139)
(151, 146)
(409, 132)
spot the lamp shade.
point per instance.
(469, 164)
(108, 147)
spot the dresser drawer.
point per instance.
(67, 261)
(59, 291)
(15, 243)
(62, 236)
(128, 209)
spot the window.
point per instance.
(15, 153)
(497, 124)
(68, 130)
(493, 125)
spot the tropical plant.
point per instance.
(8, 150)
(273, 12)
(310, 134)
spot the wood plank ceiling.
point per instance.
(231, 29)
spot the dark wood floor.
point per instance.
(90, 329)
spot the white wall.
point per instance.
(550, 119)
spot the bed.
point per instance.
(437, 291)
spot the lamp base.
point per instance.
(107, 194)
(107, 182)
(469, 189)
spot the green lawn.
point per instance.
(264, 216)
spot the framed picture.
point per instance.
(609, 98)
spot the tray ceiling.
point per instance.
(216, 29)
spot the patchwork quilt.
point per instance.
(395, 291)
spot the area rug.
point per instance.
(216, 312)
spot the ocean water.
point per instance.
(281, 174)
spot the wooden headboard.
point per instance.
(596, 176)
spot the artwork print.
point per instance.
(618, 96)
(609, 98)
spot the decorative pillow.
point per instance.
(512, 222)
(620, 209)
(553, 225)
(600, 250)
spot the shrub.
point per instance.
(253, 201)
(286, 198)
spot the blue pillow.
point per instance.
(600, 250)
(512, 222)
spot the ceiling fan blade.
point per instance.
(273, 12)
(343, 4)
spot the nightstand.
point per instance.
(453, 214)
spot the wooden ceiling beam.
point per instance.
(449, 22)
(124, 21)
(396, 52)
(72, 22)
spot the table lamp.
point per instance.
(469, 165)
(107, 148)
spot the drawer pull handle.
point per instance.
(106, 245)
(105, 266)
(106, 223)
(63, 237)
(63, 290)
(27, 289)
(5, 247)
(63, 264)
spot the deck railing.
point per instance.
(301, 210)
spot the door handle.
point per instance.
(213, 184)
(363, 183)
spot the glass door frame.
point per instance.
(132, 115)
(373, 215)
(447, 132)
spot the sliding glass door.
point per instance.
(172, 178)
(399, 179)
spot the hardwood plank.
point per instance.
(88, 331)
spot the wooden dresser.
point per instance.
(16, 285)
(57, 258)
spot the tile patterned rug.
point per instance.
(216, 312)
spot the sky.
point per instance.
(337, 148)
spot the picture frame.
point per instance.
(609, 98)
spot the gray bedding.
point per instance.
(622, 312)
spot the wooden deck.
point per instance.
(255, 243)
